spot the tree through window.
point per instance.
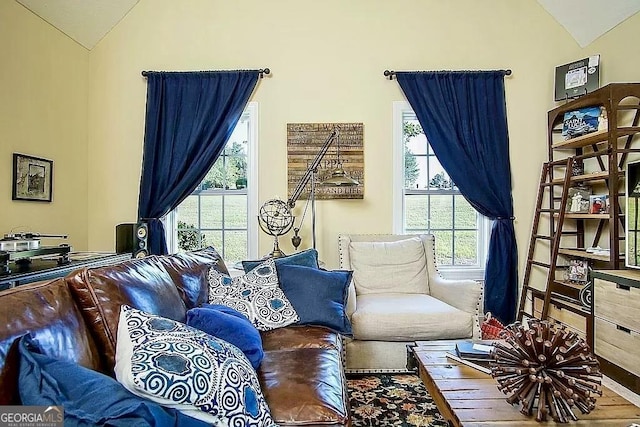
(431, 202)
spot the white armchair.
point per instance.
(397, 296)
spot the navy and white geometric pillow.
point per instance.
(256, 294)
(186, 369)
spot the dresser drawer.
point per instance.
(617, 345)
(557, 315)
(572, 320)
(617, 303)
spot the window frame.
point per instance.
(171, 221)
(475, 272)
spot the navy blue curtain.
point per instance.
(463, 115)
(189, 118)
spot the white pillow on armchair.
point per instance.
(389, 267)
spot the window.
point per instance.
(426, 200)
(221, 211)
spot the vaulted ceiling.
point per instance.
(586, 20)
(85, 21)
(88, 21)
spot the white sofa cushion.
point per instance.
(408, 317)
(396, 267)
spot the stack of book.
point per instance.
(475, 352)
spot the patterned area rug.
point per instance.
(391, 400)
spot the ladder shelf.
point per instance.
(560, 232)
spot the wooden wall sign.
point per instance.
(304, 141)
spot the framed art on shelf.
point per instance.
(577, 78)
(599, 204)
(578, 271)
(32, 178)
(582, 121)
(578, 199)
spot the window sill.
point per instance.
(458, 273)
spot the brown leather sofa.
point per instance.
(76, 319)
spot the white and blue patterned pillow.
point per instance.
(255, 294)
(186, 369)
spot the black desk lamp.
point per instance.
(338, 178)
(275, 216)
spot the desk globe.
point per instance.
(275, 219)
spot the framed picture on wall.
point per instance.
(32, 178)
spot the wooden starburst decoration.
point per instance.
(548, 368)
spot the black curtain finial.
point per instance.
(264, 71)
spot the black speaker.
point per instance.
(125, 238)
(141, 236)
(132, 238)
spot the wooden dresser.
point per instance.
(616, 309)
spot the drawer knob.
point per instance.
(623, 329)
(623, 287)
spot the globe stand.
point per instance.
(275, 219)
(276, 252)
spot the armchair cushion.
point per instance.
(408, 317)
(389, 267)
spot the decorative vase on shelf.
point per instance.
(577, 167)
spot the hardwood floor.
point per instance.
(622, 391)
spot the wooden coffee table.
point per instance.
(467, 397)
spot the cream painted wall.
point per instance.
(43, 113)
(327, 60)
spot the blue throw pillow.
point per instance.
(319, 296)
(88, 397)
(229, 325)
(306, 258)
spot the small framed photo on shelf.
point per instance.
(578, 199)
(599, 203)
(578, 271)
(581, 122)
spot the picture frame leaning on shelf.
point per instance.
(599, 204)
(577, 271)
(578, 199)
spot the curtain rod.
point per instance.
(262, 72)
(390, 74)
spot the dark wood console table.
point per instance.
(47, 268)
